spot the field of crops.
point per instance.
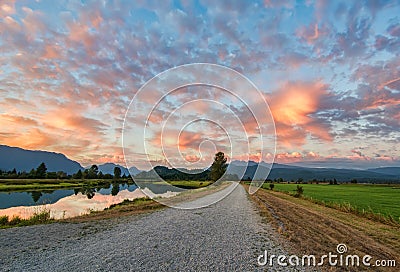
(379, 199)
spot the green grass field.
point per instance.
(379, 199)
(185, 184)
(15, 185)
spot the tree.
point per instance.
(115, 189)
(36, 195)
(32, 173)
(51, 175)
(299, 180)
(61, 175)
(299, 191)
(271, 186)
(218, 167)
(41, 171)
(93, 171)
(117, 172)
(78, 175)
(85, 174)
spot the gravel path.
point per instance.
(226, 236)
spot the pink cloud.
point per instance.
(310, 34)
(292, 106)
(192, 158)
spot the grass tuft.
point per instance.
(40, 217)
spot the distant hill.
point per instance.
(108, 168)
(395, 171)
(249, 170)
(288, 172)
(25, 160)
(134, 170)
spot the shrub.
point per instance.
(16, 220)
(299, 191)
(40, 217)
(3, 220)
(271, 186)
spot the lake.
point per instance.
(66, 203)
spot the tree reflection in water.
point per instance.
(36, 195)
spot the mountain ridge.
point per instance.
(24, 160)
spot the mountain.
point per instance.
(288, 172)
(108, 168)
(134, 171)
(25, 160)
(253, 170)
(395, 171)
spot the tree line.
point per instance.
(214, 173)
(41, 173)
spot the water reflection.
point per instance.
(36, 195)
(71, 203)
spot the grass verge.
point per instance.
(310, 228)
(42, 217)
(125, 208)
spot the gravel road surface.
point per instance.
(226, 236)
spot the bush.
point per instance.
(299, 191)
(3, 220)
(271, 186)
(40, 217)
(16, 220)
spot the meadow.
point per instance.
(378, 199)
(14, 185)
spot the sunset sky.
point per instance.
(329, 70)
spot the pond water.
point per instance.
(66, 203)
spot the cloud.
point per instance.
(33, 138)
(69, 71)
(310, 34)
(6, 120)
(292, 107)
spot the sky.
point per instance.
(329, 71)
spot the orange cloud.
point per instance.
(256, 157)
(192, 158)
(288, 157)
(31, 139)
(7, 119)
(296, 156)
(51, 52)
(190, 140)
(292, 106)
(7, 8)
(309, 33)
(388, 83)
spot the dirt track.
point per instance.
(314, 229)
